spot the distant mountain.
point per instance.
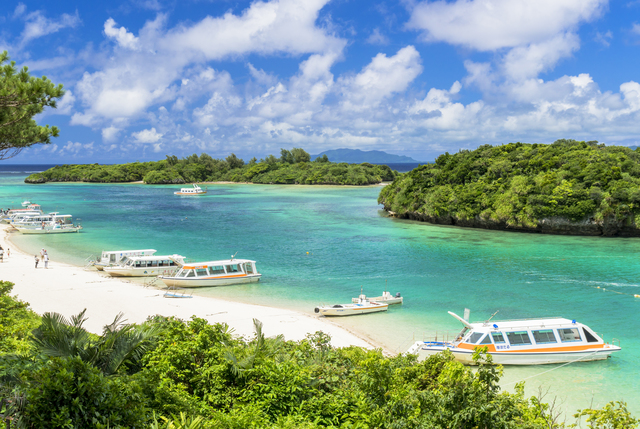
(357, 156)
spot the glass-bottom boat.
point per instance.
(522, 342)
(214, 273)
(145, 266)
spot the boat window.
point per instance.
(201, 272)
(518, 338)
(248, 268)
(154, 263)
(544, 336)
(190, 273)
(232, 268)
(486, 340)
(112, 258)
(589, 336)
(218, 269)
(498, 338)
(137, 264)
(473, 338)
(568, 335)
(182, 273)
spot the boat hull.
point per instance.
(189, 282)
(190, 193)
(118, 271)
(351, 310)
(424, 350)
(47, 231)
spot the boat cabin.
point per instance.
(218, 268)
(152, 261)
(114, 256)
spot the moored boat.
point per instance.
(522, 342)
(386, 298)
(48, 228)
(214, 273)
(196, 190)
(109, 258)
(145, 266)
(363, 306)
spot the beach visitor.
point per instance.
(1, 254)
(46, 259)
(42, 254)
(8, 252)
(37, 260)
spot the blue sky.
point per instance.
(149, 78)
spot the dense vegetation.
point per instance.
(167, 373)
(566, 187)
(293, 167)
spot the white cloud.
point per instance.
(120, 35)
(65, 104)
(20, 9)
(37, 25)
(77, 148)
(377, 38)
(488, 25)
(605, 38)
(110, 134)
(383, 77)
(635, 28)
(147, 136)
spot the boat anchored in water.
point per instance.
(214, 273)
(110, 258)
(363, 306)
(196, 190)
(145, 266)
(522, 342)
(386, 298)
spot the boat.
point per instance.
(214, 273)
(196, 190)
(522, 342)
(38, 219)
(363, 306)
(386, 298)
(26, 203)
(145, 266)
(110, 258)
(32, 209)
(48, 228)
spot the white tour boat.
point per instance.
(386, 298)
(196, 190)
(363, 306)
(522, 342)
(33, 209)
(49, 228)
(214, 273)
(110, 258)
(145, 266)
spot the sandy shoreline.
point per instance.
(68, 289)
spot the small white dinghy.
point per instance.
(363, 306)
(386, 297)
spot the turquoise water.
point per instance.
(351, 243)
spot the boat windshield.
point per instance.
(125, 261)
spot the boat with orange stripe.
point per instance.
(522, 342)
(214, 273)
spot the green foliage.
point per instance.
(614, 415)
(21, 98)
(518, 185)
(16, 322)
(293, 167)
(70, 393)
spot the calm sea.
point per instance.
(321, 244)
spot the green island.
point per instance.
(169, 374)
(292, 167)
(568, 187)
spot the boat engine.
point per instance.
(317, 310)
(398, 295)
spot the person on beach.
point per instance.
(8, 252)
(37, 260)
(46, 259)
(1, 254)
(42, 254)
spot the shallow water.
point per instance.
(321, 244)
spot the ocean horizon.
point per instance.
(321, 244)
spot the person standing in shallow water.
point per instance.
(37, 260)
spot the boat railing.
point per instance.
(615, 342)
(90, 262)
(429, 337)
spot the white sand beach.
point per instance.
(68, 289)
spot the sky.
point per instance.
(150, 78)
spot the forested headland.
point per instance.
(568, 187)
(292, 167)
(168, 374)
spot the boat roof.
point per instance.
(124, 251)
(155, 257)
(193, 265)
(540, 323)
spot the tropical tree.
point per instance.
(21, 98)
(121, 346)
